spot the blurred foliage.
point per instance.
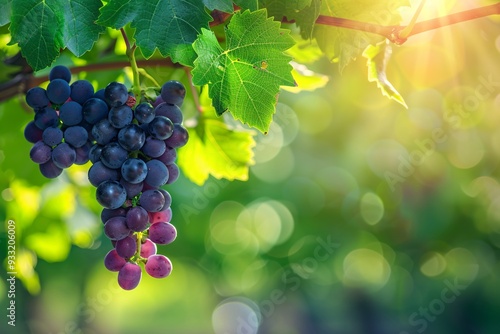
(358, 216)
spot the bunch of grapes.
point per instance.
(132, 149)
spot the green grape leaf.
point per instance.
(222, 5)
(306, 79)
(37, 27)
(5, 7)
(43, 28)
(80, 31)
(252, 5)
(171, 26)
(216, 149)
(378, 56)
(246, 76)
(281, 8)
(306, 18)
(344, 45)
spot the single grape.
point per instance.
(103, 132)
(126, 247)
(52, 136)
(82, 154)
(132, 137)
(173, 92)
(94, 110)
(81, 91)
(168, 199)
(120, 116)
(113, 261)
(144, 112)
(40, 153)
(173, 173)
(33, 133)
(134, 170)
(148, 248)
(99, 173)
(115, 228)
(158, 266)
(161, 127)
(158, 101)
(107, 214)
(153, 148)
(168, 157)
(178, 138)
(116, 94)
(76, 136)
(162, 233)
(60, 72)
(152, 200)
(170, 111)
(63, 155)
(58, 91)
(157, 173)
(137, 219)
(37, 98)
(71, 113)
(50, 170)
(129, 276)
(100, 94)
(95, 153)
(46, 118)
(161, 216)
(113, 155)
(111, 194)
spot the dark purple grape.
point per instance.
(103, 132)
(63, 155)
(71, 113)
(126, 247)
(40, 153)
(170, 111)
(116, 228)
(99, 173)
(129, 276)
(152, 200)
(32, 133)
(60, 72)
(107, 214)
(157, 174)
(46, 118)
(134, 170)
(144, 112)
(161, 127)
(82, 154)
(100, 94)
(168, 199)
(178, 138)
(131, 189)
(162, 233)
(95, 153)
(158, 266)
(153, 147)
(113, 261)
(37, 98)
(113, 155)
(121, 116)
(58, 91)
(173, 92)
(148, 248)
(132, 137)
(168, 157)
(137, 219)
(94, 110)
(158, 101)
(81, 91)
(173, 173)
(116, 94)
(50, 170)
(111, 194)
(52, 136)
(76, 136)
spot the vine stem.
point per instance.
(194, 91)
(136, 88)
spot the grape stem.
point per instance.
(136, 88)
(194, 91)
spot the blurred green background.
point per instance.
(359, 216)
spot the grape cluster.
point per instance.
(132, 149)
